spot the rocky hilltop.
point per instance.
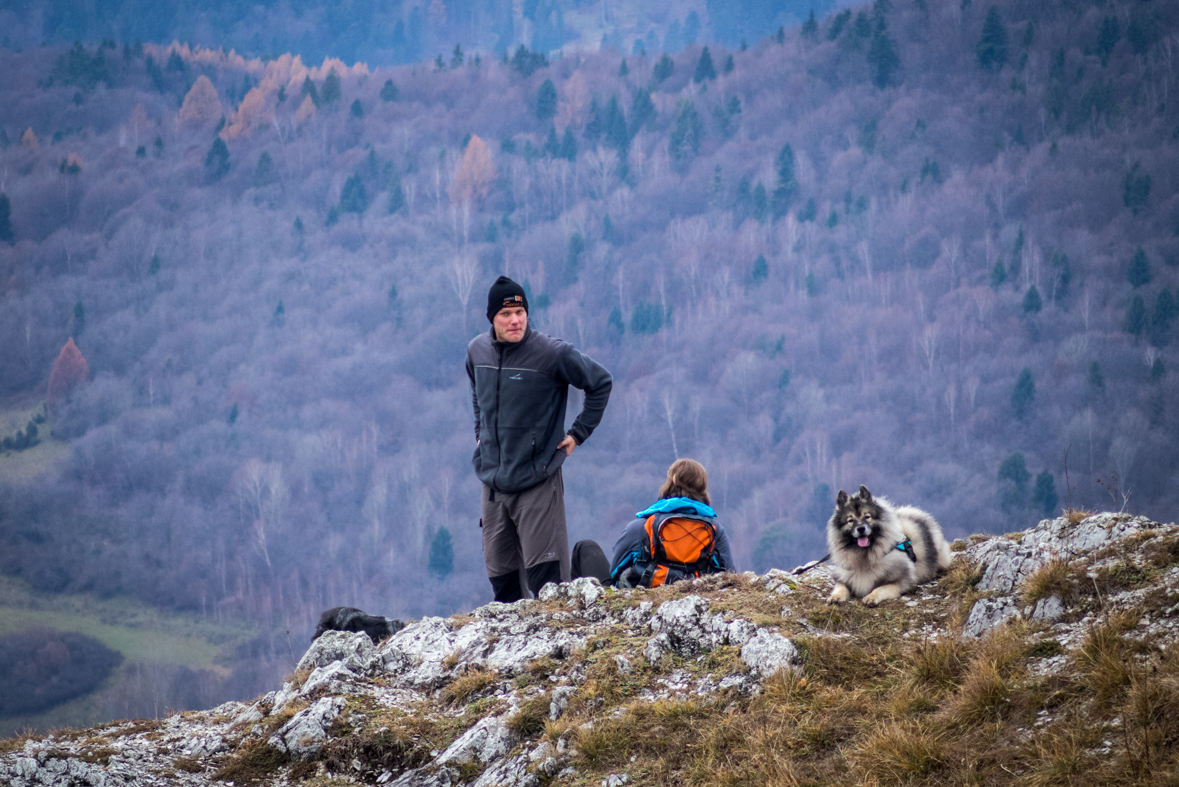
(1041, 657)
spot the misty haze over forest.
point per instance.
(930, 247)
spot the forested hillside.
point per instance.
(931, 247)
(387, 32)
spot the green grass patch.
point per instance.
(140, 633)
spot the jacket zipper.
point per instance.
(498, 445)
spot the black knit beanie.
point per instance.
(503, 294)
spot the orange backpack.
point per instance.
(677, 547)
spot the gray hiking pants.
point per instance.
(524, 529)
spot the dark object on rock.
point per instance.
(590, 561)
(353, 619)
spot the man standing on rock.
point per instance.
(519, 386)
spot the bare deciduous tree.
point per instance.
(461, 273)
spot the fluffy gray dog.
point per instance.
(881, 552)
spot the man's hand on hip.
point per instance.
(568, 444)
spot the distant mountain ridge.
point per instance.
(405, 31)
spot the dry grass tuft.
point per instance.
(939, 664)
(788, 687)
(1052, 579)
(461, 690)
(1105, 658)
(385, 749)
(984, 695)
(1076, 515)
(1152, 721)
(529, 720)
(845, 662)
(668, 729)
(18, 741)
(298, 678)
(1058, 757)
(962, 578)
(901, 753)
(255, 762)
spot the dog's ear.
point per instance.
(841, 499)
(864, 493)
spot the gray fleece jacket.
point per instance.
(519, 392)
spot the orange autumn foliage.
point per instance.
(69, 370)
(474, 174)
(201, 105)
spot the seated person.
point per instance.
(675, 538)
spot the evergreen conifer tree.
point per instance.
(357, 110)
(786, 186)
(1107, 39)
(568, 149)
(216, 161)
(685, 136)
(642, 111)
(615, 322)
(1095, 377)
(1044, 495)
(663, 69)
(546, 100)
(998, 274)
(704, 68)
(389, 91)
(1136, 188)
(6, 233)
(1015, 469)
(992, 45)
(1024, 394)
(596, 125)
(810, 28)
(309, 89)
(760, 271)
(623, 69)
(1032, 303)
(331, 87)
(617, 135)
(264, 171)
(457, 57)
(883, 58)
(441, 560)
(354, 199)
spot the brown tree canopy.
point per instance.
(251, 114)
(29, 139)
(201, 105)
(69, 370)
(474, 174)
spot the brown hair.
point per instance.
(686, 478)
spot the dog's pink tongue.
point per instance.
(862, 542)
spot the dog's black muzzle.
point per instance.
(861, 531)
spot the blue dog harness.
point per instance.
(906, 546)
